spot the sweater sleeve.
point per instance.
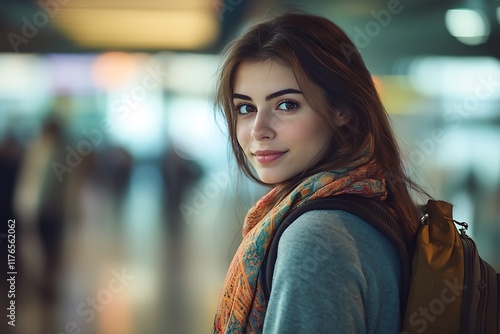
(334, 273)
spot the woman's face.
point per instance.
(279, 132)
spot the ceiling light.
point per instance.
(469, 26)
(128, 28)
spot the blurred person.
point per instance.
(180, 175)
(121, 168)
(44, 203)
(304, 117)
(111, 172)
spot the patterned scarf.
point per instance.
(242, 306)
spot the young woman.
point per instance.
(304, 116)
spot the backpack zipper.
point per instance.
(468, 277)
(480, 285)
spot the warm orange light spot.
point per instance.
(112, 70)
(378, 84)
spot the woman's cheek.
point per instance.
(243, 135)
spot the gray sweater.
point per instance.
(334, 273)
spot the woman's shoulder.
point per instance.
(326, 245)
(334, 273)
(339, 231)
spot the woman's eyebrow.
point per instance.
(270, 96)
(282, 92)
(241, 97)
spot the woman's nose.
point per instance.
(262, 127)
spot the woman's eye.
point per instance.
(245, 109)
(287, 105)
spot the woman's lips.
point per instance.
(268, 156)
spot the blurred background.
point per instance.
(127, 205)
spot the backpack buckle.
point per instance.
(424, 219)
(465, 226)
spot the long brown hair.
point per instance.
(338, 86)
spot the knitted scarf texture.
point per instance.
(242, 305)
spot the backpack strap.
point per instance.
(365, 208)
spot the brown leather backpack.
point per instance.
(446, 286)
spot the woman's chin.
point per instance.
(271, 179)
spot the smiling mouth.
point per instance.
(268, 156)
